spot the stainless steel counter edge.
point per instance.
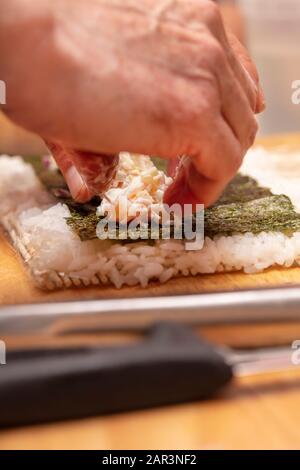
(252, 306)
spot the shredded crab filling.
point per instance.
(137, 190)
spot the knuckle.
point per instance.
(236, 161)
(201, 112)
(252, 131)
(232, 164)
(212, 14)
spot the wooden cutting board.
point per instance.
(16, 285)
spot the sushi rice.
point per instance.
(57, 258)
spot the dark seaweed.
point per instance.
(243, 207)
(242, 189)
(160, 163)
(268, 214)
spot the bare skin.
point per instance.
(234, 18)
(155, 77)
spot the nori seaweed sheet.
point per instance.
(160, 163)
(243, 207)
(242, 189)
(268, 214)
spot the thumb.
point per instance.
(86, 174)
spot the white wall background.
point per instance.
(274, 40)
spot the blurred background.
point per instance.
(273, 37)
(271, 31)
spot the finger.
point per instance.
(74, 180)
(220, 153)
(195, 17)
(230, 101)
(173, 164)
(191, 187)
(244, 58)
(86, 174)
(235, 106)
(239, 59)
(201, 178)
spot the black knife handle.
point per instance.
(171, 365)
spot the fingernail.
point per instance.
(77, 185)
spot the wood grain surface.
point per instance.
(253, 413)
(261, 412)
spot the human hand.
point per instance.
(146, 76)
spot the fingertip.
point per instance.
(78, 188)
(180, 194)
(191, 188)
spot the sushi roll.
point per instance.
(254, 225)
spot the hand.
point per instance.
(154, 77)
(87, 174)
